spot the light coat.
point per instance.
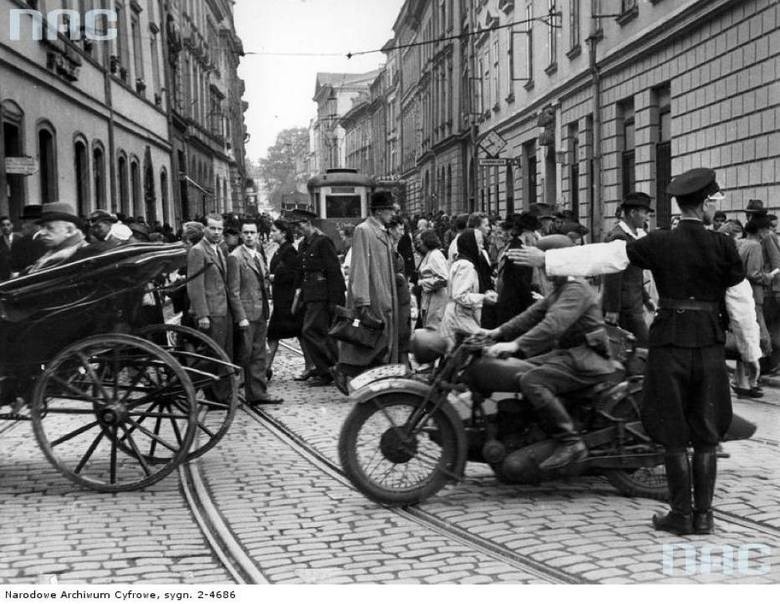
(463, 312)
(372, 283)
(433, 283)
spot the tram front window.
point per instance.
(342, 206)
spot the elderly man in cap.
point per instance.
(686, 390)
(320, 288)
(624, 294)
(372, 290)
(60, 235)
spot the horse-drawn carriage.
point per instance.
(117, 398)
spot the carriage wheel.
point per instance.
(217, 398)
(105, 405)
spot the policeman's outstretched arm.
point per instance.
(577, 261)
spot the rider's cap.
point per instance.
(554, 242)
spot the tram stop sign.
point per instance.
(493, 143)
(26, 166)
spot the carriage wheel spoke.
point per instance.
(112, 467)
(136, 452)
(73, 434)
(96, 381)
(157, 424)
(136, 380)
(89, 453)
(153, 436)
(80, 394)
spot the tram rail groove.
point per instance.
(218, 535)
(425, 519)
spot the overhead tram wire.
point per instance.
(548, 19)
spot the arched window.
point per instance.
(124, 195)
(47, 160)
(81, 167)
(136, 208)
(99, 174)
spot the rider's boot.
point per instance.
(678, 477)
(705, 467)
(558, 423)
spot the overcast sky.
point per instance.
(279, 89)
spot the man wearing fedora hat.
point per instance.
(372, 290)
(624, 294)
(60, 234)
(320, 288)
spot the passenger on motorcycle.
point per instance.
(564, 343)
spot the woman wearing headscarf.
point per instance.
(469, 288)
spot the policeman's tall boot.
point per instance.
(678, 477)
(558, 423)
(705, 468)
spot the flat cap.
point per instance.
(699, 181)
(636, 199)
(300, 216)
(102, 216)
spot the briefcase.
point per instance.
(348, 328)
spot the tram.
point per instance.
(340, 196)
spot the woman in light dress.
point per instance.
(433, 278)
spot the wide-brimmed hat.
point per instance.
(296, 216)
(636, 199)
(541, 210)
(381, 200)
(755, 206)
(59, 210)
(31, 212)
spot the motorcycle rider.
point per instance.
(563, 341)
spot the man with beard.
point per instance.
(686, 390)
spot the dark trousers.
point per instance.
(634, 321)
(251, 356)
(221, 331)
(318, 347)
(686, 396)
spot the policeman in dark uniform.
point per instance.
(624, 293)
(322, 288)
(686, 391)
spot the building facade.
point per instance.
(89, 116)
(503, 103)
(207, 111)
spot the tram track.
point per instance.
(495, 551)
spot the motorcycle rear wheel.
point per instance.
(391, 466)
(640, 482)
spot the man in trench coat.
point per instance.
(372, 289)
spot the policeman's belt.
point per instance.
(702, 305)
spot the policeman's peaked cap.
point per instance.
(699, 183)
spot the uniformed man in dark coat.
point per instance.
(686, 391)
(624, 293)
(322, 288)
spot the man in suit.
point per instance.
(248, 296)
(207, 287)
(624, 293)
(686, 390)
(7, 236)
(322, 288)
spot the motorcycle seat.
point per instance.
(487, 375)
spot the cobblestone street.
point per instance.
(293, 520)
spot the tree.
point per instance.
(281, 168)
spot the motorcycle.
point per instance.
(404, 440)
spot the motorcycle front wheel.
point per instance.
(392, 464)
